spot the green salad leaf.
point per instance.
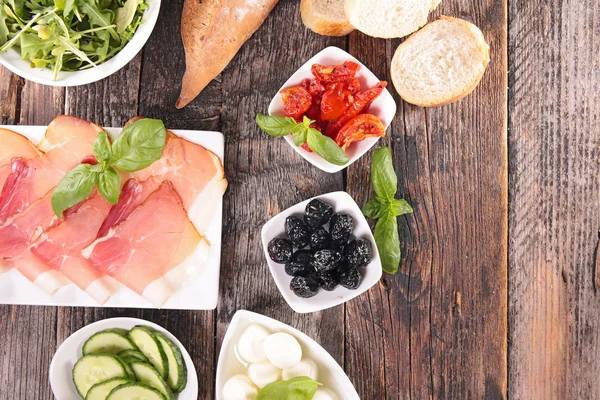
(385, 209)
(298, 388)
(139, 145)
(4, 32)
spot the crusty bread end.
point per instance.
(441, 63)
(325, 17)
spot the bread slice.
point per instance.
(325, 17)
(441, 63)
(388, 18)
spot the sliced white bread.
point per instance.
(325, 17)
(441, 63)
(388, 18)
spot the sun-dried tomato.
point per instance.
(359, 128)
(335, 73)
(296, 102)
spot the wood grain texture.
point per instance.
(437, 329)
(554, 111)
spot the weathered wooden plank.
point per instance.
(554, 112)
(438, 328)
(266, 175)
(10, 95)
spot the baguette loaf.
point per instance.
(213, 31)
(325, 17)
(441, 63)
(389, 18)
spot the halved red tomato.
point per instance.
(336, 100)
(296, 101)
(359, 128)
(335, 73)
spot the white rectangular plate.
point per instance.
(200, 294)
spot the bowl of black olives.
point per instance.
(321, 252)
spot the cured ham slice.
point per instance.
(60, 247)
(16, 236)
(196, 174)
(155, 251)
(13, 145)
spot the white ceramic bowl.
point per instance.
(12, 58)
(330, 374)
(383, 107)
(69, 352)
(342, 202)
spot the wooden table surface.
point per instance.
(495, 297)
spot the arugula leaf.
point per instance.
(383, 175)
(388, 243)
(124, 15)
(18, 7)
(298, 388)
(326, 147)
(139, 145)
(74, 187)
(276, 126)
(98, 17)
(101, 147)
(109, 185)
(3, 26)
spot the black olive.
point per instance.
(319, 239)
(340, 227)
(300, 264)
(304, 286)
(297, 231)
(358, 253)
(329, 280)
(280, 250)
(326, 260)
(350, 278)
(317, 213)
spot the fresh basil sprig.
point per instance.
(302, 133)
(385, 209)
(139, 145)
(298, 388)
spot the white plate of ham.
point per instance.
(158, 247)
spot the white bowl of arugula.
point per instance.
(73, 42)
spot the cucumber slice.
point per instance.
(96, 368)
(135, 390)
(134, 353)
(145, 373)
(100, 390)
(177, 379)
(148, 344)
(107, 342)
(127, 368)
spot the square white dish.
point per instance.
(67, 354)
(12, 58)
(200, 294)
(330, 374)
(342, 202)
(383, 107)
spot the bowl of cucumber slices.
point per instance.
(123, 358)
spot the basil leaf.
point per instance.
(109, 185)
(276, 126)
(139, 145)
(101, 148)
(388, 243)
(299, 133)
(400, 207)
(75, 186)
(383, 175)
(373, 209)
(326, 147)
(298, 388)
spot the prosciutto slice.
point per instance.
(196, 175)
(155, 250)
(13, 145)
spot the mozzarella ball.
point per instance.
(324, 394)
(306, 367)
(250, 345)
(263, 373)
(239, 387)
(283, 350)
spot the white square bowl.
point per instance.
(329, 373)
(383, 107)
(341, 202)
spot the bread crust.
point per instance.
(450, 97)
(321, 25)
(213, 31)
